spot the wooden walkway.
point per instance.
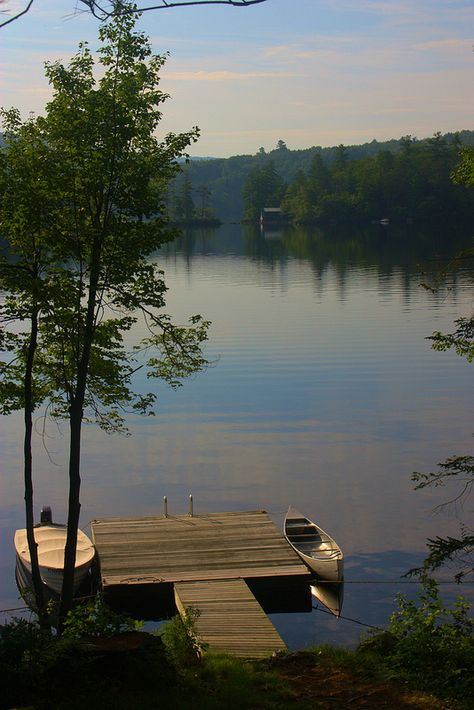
(203, 561)
(230, 620)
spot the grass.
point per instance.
(222, 682)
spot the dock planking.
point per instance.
(221, 564)
(230, 620)
(186, 548)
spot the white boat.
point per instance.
(51, 539)
(317, 549)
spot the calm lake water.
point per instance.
(323, 393)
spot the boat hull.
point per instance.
(51, 540)
(318, 550)
(52, 578)
(325, 569)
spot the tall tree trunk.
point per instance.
(74, 510)
(75, 432)
(28, 474)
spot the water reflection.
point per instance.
(386, 249)
(372, 584)
(324, 394)
(396, 255)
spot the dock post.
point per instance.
(165, 507)
(191, 510)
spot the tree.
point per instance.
(457, 551)
(26, 222)
(263, 188)
(108, 175)
(184, 204)
(105, 9)
(460, 469)
(464, 173)
(297, 201)
(457, 469)
(204, 194)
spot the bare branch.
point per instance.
(120, 7)
(18, 15)
(116, 7)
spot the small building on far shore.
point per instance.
(272, 216)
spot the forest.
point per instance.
(401, 179)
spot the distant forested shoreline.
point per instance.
(399, 180)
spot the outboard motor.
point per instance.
(46, 516)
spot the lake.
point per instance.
(322, 392)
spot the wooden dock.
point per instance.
(230, 619)
(222, 564)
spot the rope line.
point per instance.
(392, 581)
(348, 618)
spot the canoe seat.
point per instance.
(305, 536)
(303, 530)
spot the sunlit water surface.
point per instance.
(323, 392)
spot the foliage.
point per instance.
(263, 188)
(21, 644)
(413, 183)
(464, 173)
(434, 644)
(25, 213)
(95, 618)
(181, 641)
(397, 179)
(99, 189)
(461, 340)
(69, 672)
(66, 673)
(100, 182)
(452, 551)
(184, 209)
(458, 469)
(457, 552)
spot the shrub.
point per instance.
(431, 645)
(180, 639)
(99, 662)
(95, 618)
(22, 644)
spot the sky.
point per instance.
(309, 72)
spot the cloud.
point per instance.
(448, 43)
(225, 75)
(331, 49)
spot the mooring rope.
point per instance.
(348, 618)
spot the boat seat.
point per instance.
(306, 536)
